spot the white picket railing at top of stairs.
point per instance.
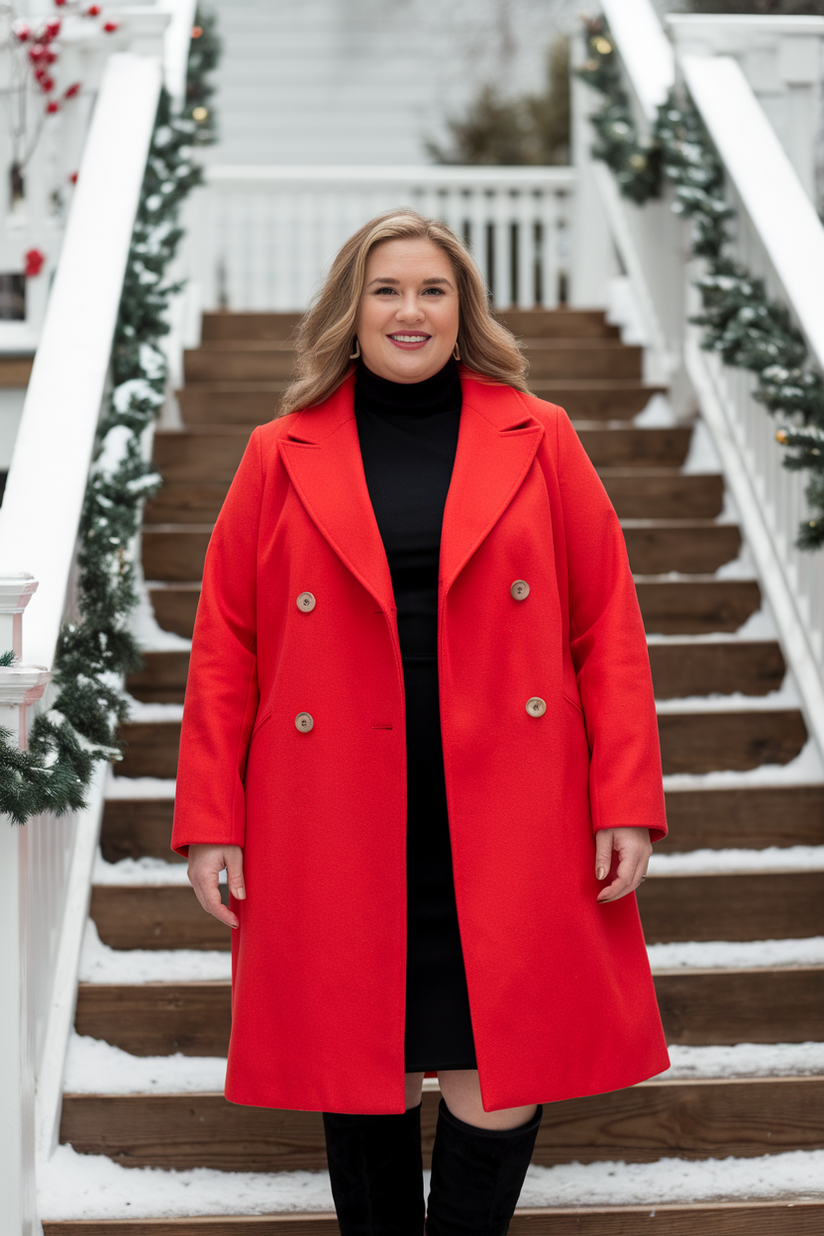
(47, 863)
(777, 235)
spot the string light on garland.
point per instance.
(97, 651)
(747, 328)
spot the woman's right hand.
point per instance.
(205, 865)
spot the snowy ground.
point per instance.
(73, 1186)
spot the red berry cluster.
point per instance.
(42, 52)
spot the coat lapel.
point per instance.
(497, 443)
(322, 455)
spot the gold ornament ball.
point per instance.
(781, 435)
(602, 45)
(200, 114)
(638, 162)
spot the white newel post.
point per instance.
(20, 687)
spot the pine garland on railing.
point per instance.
(747, 328)
(94, 653)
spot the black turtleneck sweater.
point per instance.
(408, 438)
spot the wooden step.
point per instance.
(670, 606)
(628, 446)
(752, 667)
(175, 551)
(163, 677)
(753, 817)
(151, 749)
(685, 667)
(693, 742)
(702, 742)
(528, 324)
(252, 403)
(583, 358)
(690, 546)
(175, 605)
(784, 905)
(230, 403)
(208, 453)
(261, 361)
(740, 1218)
(187, 502)
(137, 828)
(239, 361)
(743, 906)
(222, 325)
(531, 323)
(687, 1119)
(155, 916)
(595, 399)
(663, 493)
(695, 606)
(212, 452)
(700, 1008)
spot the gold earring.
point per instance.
(456, 352)
(356, 354)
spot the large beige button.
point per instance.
(304, 722)
(536, 707)
(306, 602)
(520, 590)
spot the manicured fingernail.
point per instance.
(601, 873)
(241, 894)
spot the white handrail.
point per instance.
(47, 479)
(647, 56)
(438, 175)
(767, 183)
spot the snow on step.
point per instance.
(152, 872)
(805, 769)
(101, 964)
(138, 787)
(74, 1186)
(787, 696)
(716, 862)
(96, 1067)
(735, 954)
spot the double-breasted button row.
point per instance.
(519, 590)
(306, 602)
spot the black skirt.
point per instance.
(438, 1025)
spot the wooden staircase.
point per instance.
(676, 544)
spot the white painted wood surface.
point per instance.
(778, 237)
(261, 237)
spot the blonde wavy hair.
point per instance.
(326, 334)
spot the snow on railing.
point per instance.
(260, 238)
(777, 235)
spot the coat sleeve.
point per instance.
(609, 651)
(222, 688)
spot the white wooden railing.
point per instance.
(47, 863)
(260, 238)
(777, 235)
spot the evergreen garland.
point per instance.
(94, 653)
(747, 328)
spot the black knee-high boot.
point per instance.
(376, 1173)
(477, 1176)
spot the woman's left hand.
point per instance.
(633, 848)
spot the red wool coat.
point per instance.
(561, 996)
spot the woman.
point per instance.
(420, 736)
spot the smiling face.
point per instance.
(407, 321)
